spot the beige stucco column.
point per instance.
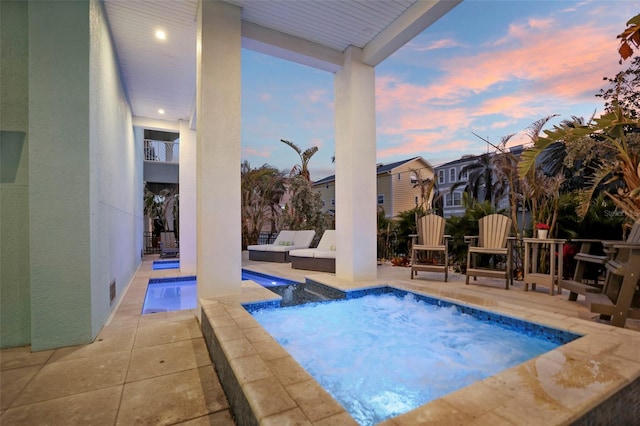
(188, 206)
(218, 149)
(355, 123)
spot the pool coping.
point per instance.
(265, 385)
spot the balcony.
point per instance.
(161, 151)
(161, 159)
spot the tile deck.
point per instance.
(155, 369)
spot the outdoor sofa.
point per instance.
(278, 251)
(321, 258)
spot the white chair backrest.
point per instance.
(303, 238)
(328, 240)
(494, 230)
(431, 230)
(285, 237)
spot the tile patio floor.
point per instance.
(155, 369)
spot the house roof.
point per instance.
(313, 33)
(382, 168)
(515, 150)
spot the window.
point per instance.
(440, 176)
(333, 202)
(452, 174)
(399, 176)
(414, 179)
(380, 199)
(416, 200)
(453, 200)
(464, 175)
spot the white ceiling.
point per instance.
(162, 74)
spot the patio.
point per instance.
(155, 369)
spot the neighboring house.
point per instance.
(448, 174)
(397, 186)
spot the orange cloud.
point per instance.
(534, 70)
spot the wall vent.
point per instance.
(112, 292)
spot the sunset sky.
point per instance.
(487, 67)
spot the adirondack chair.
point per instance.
(168, 245)
(620, 298)
(594, 254)
(429, 244)
(493, 240)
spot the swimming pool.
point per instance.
(177, 293)
(383, 355)
(170, 294)
(165, 264)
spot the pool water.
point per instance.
(165, 264)
(176, 293)
(170, 294)
(384, 355)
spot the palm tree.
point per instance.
(427, 187)
(261, 192)
(480, 175)
(301, 169)
(621, 166)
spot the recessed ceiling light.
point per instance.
(161, 35)
(160, 111)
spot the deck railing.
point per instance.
(161, 151)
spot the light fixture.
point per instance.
(161, 35)
(161, 111)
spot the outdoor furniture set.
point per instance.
(614, 298)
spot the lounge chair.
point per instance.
(431, 242)
(493, 240)
(321, 258)
(593, 255)
(279, 250)
(168, 245)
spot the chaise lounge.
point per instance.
(321, 258)
(279, 250)
(168, 245)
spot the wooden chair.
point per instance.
(493, 240)
(429, 244)
(620, 297)
(593, 256)
(168, 245)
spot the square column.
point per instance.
(188, 206)
(355, 121)
(218, 149)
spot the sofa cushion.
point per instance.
(328, 240)
(285, 236)
(303, 239)
(302, 252)
(324, 254)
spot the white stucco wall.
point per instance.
(85, 175)
(59, 173)
(15, 311)
(116, 176)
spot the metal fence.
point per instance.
(151, 245)
(161, 151)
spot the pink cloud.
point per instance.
(266, 153)
(533, 70)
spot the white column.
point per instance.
(218, 149)
(188, 216)
(355, 123)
